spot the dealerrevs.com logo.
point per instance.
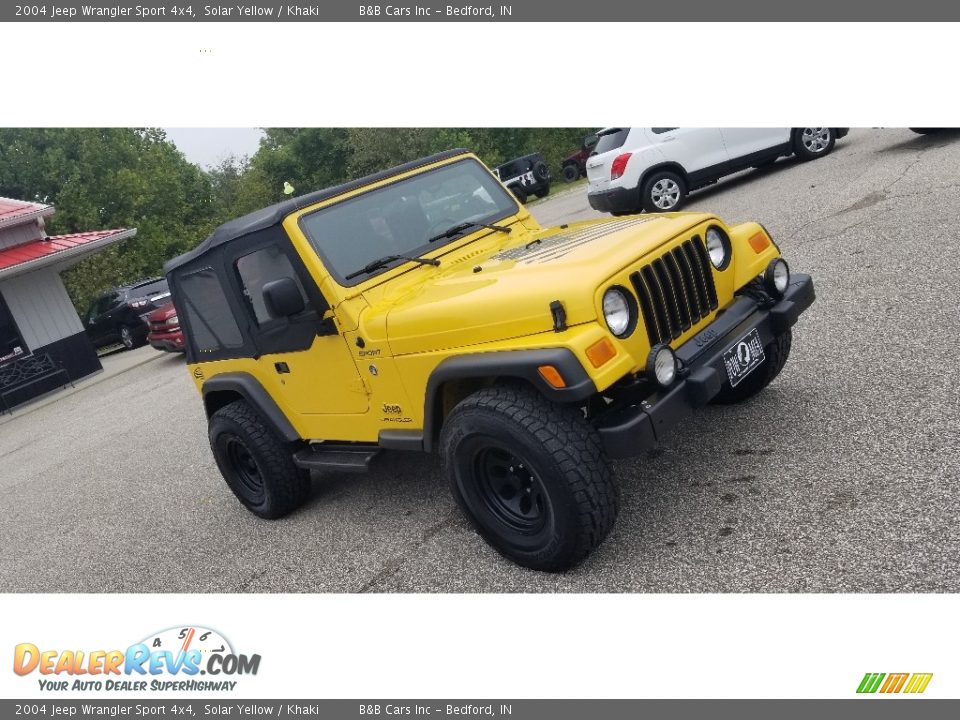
(172, 659)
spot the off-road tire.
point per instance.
(571, 173)
(775, 357)
(805, 153)
(284, 486)
(519, 194)
(541, 171)
(560, 451)
(544, 191)
(646, 193)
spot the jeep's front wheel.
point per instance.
(775, 357)
(531, 476)
(256, 464)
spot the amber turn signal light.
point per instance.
(759, 242)
(552, 376)
(601, 352)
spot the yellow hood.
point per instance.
(509, 296)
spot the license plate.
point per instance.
(743, 357)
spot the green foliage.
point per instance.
(134, 177)
(110, 178)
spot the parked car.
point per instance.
(574, 166)
(119, 315)
(165, 332)
(653, 169)
(370, 316)
(525, 176)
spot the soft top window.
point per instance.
(211, 321)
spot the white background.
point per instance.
(246, 74)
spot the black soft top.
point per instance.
(274, 214)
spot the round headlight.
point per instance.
(662, 365)
(777, 276)
(718, 248)
(616, 311)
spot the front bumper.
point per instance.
(614, 200)
(635, 427)
(168, 342)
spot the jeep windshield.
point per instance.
(401, 218)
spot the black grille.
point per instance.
(676, 291)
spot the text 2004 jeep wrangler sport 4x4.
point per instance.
(424, 309)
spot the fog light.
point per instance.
(776, 277)
(662, 365)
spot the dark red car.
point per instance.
(574, 167)
(165, 333)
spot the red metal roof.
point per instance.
(10, 209)
(52, 245)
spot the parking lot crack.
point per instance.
(392, 566)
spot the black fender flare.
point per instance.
(519, 364)
(250, 389)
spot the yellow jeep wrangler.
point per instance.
(423, 308)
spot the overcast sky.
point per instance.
(207, 146)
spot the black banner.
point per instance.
(480, 11)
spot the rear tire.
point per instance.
(812, 143)
(775, 357)
(531, 475)
(257, 465)
(571, 173)
(519, 194)
(663, 191)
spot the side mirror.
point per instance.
(282, 298)
(590, 141)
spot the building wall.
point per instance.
(18, 234)
(48, 324)
(41, 307)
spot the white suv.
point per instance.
(653, 169)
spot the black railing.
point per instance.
(23, 372)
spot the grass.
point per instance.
(559, 187)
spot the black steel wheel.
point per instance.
(257, 465)
(509, 486)
(531, 475)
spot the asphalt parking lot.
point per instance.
(840, 477)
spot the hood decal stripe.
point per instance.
(556, 246)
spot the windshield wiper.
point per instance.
(386, 260)
(450, 232)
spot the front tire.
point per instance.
(571, 173)
(663, 191)
(256, 464)
(811, 143)
(531, 475)
(127, 338)
(775, 357)
(519, 194)
(544, 191)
